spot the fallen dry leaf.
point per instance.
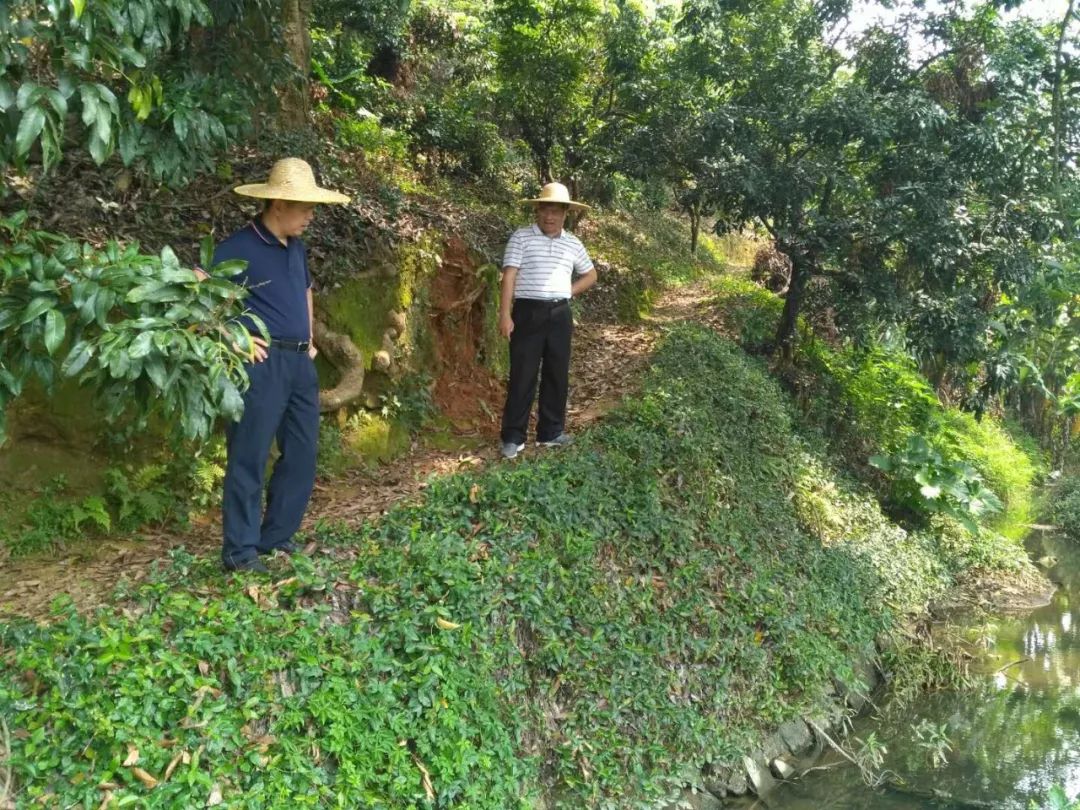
(204, 668)
(446, 625)
(132, 756)
(172, 766)
(148, 780)
(474, 493)
(215, 796)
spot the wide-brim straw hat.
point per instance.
(556, 193)
(291, 179)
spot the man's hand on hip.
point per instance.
(257, 352)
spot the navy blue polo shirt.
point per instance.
(277, 276)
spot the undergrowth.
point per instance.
(592, 626)
(873, 402)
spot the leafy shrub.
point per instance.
(141, 495)
(1064, 507)
(52, 519)
(1008, 461)
(750, 312)
(925, 482)
(873, 402)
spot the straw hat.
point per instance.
(291, 179)
(556, 193)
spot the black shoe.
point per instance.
(288, 547)
(255, 566)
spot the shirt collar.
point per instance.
(265, 235)
(538, 232)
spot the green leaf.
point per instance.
(99, 149)
(78, 6)
(7, 96)
(77, 358)
(883, 463)
(29, 128)
(36, 308)
(141, 346)
(90, 101)
(28, 94)
(155, 369)
(55, 328)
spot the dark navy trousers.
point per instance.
(282, 403)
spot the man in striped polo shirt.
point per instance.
(543, 268)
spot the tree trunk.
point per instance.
(295, 96)
(789, 320)
(543, 162)
(695, 227)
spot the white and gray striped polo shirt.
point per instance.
(546, 265)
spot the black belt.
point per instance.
(291, 345)
(542, 302)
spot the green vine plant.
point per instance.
(927, 483)
(139, 331)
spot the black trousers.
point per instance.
(539, 346)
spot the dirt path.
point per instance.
(607, 365)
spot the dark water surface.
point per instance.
(1015, 734)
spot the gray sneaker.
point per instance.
(511, 449)
(562, 440)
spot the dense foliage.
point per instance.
(141, 332)
(885, 420)
(594, 625)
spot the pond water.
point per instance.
(1014, 735)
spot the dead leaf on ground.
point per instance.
(132, 756)
(172, 766)
(147, 779)
(215, 796)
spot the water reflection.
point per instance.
(1014, 736)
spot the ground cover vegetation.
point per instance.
(592, 627)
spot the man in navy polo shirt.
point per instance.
(282, 402)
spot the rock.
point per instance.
(727, 781)
(381, 360)
(715, 788)
(772, 747)
(697, 800)
(797, 737)
(760, 779)
(397, 321)
(857, 693)
(782, 769)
